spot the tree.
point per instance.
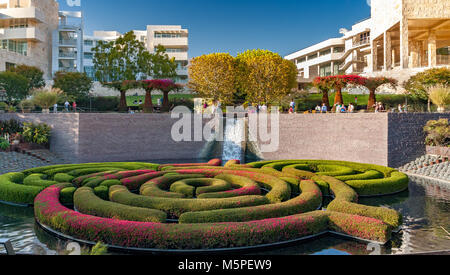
(265, 76)
(74, 84)
(15, 85)
(125, 59)
(34, 75)
(214, 76)
(373, 83)
(323, 86)
(162, 67)
(418, 84)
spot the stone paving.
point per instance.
(16, 162)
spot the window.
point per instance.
(338, 50)
(88, 55)
(326, 52)
(173, 50)
(20, 47)
(313, 56)
(301, 60)
(167, 35)
(9, 66)
(88, 42)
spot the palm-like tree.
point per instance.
(373, 83)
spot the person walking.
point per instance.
(292, 105)
(400, 109)
(74, 107)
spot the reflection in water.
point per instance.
(426, 208)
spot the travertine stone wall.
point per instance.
(421, 9)
(384, 139)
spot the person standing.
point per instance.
(400, 109)
(55, 108)
(74, 107)
(66, 106)
(292, 105)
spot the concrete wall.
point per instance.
(384, 139)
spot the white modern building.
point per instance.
(89, 43)
(26, 28)
(402, 38)
(172, 37)
(68, 43)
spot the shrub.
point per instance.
(334, 170)
(246, 187)
(102, 192)
(15, 85)
(369, 175)
(12, 191)
(360, 227)
(66, 195)
(440, 96)
(388, 216)
(87, 202)
(198, 186)
(309, 200)
(38, 134)
(46, 98)
(38, 180)
(10, 127)
(176, 207)
(396, 183)
(438, 133)
(4, 144)
(109, 183)
(62, 177)
(26, 105)
(340, 190)
(34, 75)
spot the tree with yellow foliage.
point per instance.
(213, 76)
(265, 76)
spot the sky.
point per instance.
(231, 26)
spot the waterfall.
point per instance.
(234, 139)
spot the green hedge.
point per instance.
(397, 182)
(334, 170)
(369, 175)
(361, 227)
(309, 200)
(38, 180)
(66, 195)
(340, 190)
(156, 187)
(12, 191)
(195, 187)
(245, 187)
(109, 183)
(87, 202)
(388, 216)
(62, 177)
(102, 192)
(176, 207)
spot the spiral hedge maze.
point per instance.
(192, 207)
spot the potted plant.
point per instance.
(46, 98)
(440, 96)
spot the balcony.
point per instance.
(168, 42)
(321, 59)
(22, 34)
(179, 55)
(361, 43)
(182, 71)
(68, 42)
(22, 13)
(68, 69)
(67, 55)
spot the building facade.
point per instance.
(68, 43)
(26, 28)
(402, 38)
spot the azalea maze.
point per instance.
(197, 207)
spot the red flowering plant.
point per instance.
(337, 83)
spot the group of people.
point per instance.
(67, 106)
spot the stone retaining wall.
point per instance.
(384, 139)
